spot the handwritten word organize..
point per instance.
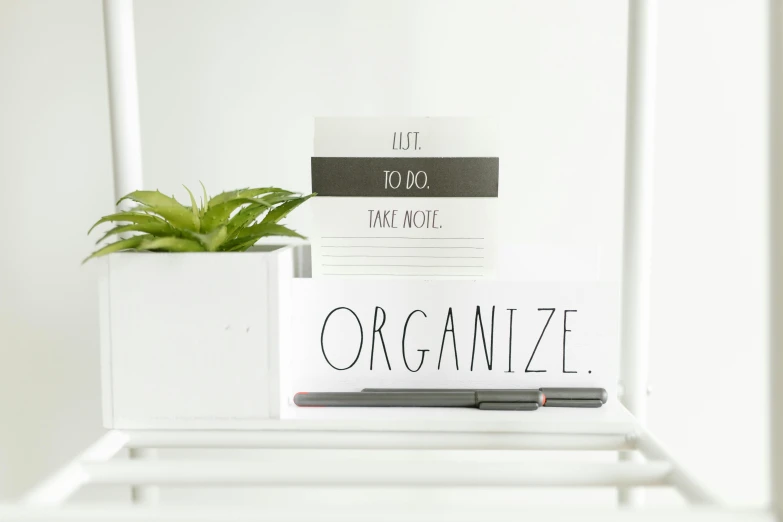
(448, 342)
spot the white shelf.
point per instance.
(610, 428)
(612, 418)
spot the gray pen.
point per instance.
(552, 397)
(487, 394)
(483, 399)
(575, 397)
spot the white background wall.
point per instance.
(228, 91)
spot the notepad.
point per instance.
(404, 198)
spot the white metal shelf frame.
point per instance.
(97, 466)
(639, 171)
(649, 462)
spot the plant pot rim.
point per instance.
(256, 249)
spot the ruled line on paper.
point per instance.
(408, 275)
(414, 247)
(399, 237)
(418, 266)
(404, 256)
(420, 257)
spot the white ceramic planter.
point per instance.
(191, 340)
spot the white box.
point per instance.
(223, 340)
(190, 340)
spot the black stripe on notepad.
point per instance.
(378, 177)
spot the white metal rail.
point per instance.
(638, 215)
(330, 458)
(362, 514)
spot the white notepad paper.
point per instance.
(404, 198)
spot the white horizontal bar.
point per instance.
(612, 419)
(369, 473)
(684, 482)
(310, 513)
(376, 440)
(306, 458)
(64, 482)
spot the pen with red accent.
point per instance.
(520, 400)
(553, 397)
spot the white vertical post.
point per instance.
(148, 495)
(776, 250)
(125, 136)
(637, 233)
(123, 95)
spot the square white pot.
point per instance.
(190, 340)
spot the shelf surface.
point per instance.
(611, 418)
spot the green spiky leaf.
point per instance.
(225, 223)
(123, 244)
(154, 229)
(171, 244)
(240, 245)
(127, 217)
(267, 229)
(219, 214)
(245, 193)
(248, 237)
(281, 211)
(245, 217)
(205, 201)
(213, 240)
(275, 198)
(166, 207)
(194, 209)
(249, 214)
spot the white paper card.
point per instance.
(452, 334)
(404, 198)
